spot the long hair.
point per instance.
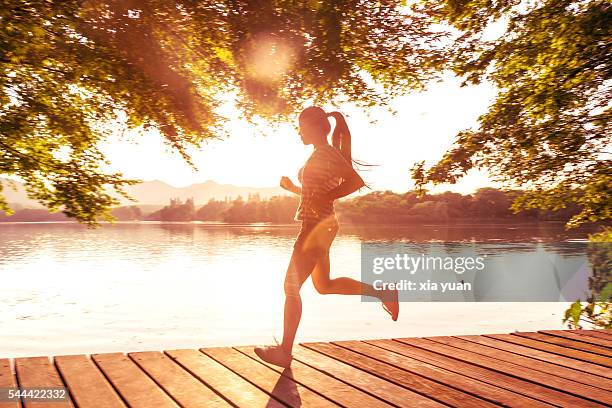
(341, 139)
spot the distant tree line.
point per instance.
(411, 207)
(277, 209)
(377, 207)
(380, 207)
(176, 211)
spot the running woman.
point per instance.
(327, 175)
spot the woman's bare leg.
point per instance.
(347, 286)
(339, 286)
(300, 267)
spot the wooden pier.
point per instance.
(567, 368)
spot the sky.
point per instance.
(423, 128)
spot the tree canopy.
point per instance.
(549, 128)
(74, 71)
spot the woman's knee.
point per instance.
(297, 272)
(292, 288)
(323, 286)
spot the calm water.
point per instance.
(67, 289)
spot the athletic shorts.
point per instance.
(315, 239)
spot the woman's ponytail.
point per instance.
(341, 137)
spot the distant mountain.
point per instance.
(159, 193)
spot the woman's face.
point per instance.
(310, 132)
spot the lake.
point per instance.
(67, 289)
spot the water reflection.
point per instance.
(69, 289)
(515, 233)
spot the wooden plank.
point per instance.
(465, 377)
(589, 348)
(38, 372)
(600, 333)
(136, 387)
(579, 337)
(184, 388)
(417, 383)
(558, 367)
(333, 389)
(495, 378)
(283, 388)
(7, 380)
(594, 374)
(553, 348)
(565, 387)
(381, 388)
(225, 382)
(86, 383)
(572, 385)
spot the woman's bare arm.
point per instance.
(348, 186)
(351, 180)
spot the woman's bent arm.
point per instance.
(345, 188)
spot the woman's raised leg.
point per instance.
(347, 286)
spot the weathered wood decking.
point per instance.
(549, 368)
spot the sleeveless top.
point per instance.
(319, 175)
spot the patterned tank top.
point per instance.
(319, 175)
